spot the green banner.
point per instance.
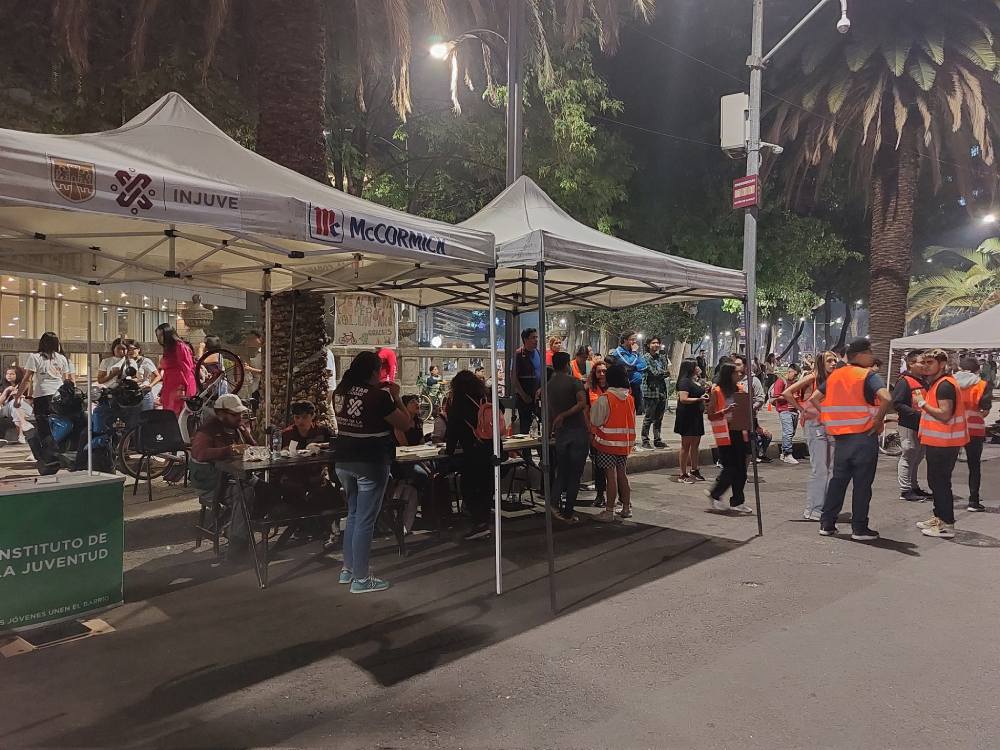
(61, 547)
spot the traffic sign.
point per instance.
(746, 192)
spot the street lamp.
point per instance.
(757, 61)
(446, 51)
(990, 219)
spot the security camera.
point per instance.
(844, 24)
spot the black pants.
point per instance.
(734, 469)
(855, 458)
(974, 457)
(940, 467)
(636, 389)
(476, 472)
(654, 417)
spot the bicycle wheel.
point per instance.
(129, 459)
(219, 372)
(426, 408)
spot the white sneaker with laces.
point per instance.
(929, 523)
(743, 508)
(789, 459)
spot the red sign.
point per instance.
(325, 224)
(746, 192)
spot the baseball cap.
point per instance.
(859, 346)
(229, 402)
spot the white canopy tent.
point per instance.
(979, 332)
(169, 198)
(548, 259)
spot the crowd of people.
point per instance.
(601, 407)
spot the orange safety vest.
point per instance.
(844, 410)
(950, 434)
(617, 435)
(974, 421)
(720, 426)
(916, 390)
(576, 370)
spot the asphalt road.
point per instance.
(678, 629)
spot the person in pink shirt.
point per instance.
(787, 413)
(389, 365)
(177, 366)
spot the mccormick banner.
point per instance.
(364, 320)
(61, 546)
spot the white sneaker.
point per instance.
(812, 515)
(789, 459)
(928, 524)
(716, 504)
(743, 508)
(939, 529)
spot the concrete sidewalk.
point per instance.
(678, 629)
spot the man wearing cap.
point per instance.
(853, 402)
(221, 438)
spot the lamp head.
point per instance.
(441, 50)
(844, 24)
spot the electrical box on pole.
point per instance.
(735, 117)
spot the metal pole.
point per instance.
(494, 395)
(753, 436)
(515, 93)
(755, 63)
(90, 426)
(267, 348)
(546, 479)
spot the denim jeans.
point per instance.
(572, 447)
(855, 458)
(364, 484)
(820, 465)
(789, 421)
(909, 460)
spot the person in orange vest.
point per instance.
(942, 433)
(597, 384)
(579, 366)
(853, 403)
(977, 399)
(909, 389)
(612, 420)
(733, 445)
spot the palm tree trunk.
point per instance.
(291, 70)
(291, 73)
(894, 190)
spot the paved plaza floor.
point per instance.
(677, 629)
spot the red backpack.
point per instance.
(483, 429)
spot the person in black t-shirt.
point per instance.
(367, 413)
(300, 434)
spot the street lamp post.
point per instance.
(757, 62)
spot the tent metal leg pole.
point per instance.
(267, 349)
(753, 432)
(546, 437)
(86, 401)
(495, 397)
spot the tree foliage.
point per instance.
(963, 280)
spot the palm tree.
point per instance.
(916, 84)
(973, 285)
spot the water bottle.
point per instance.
(275, 443)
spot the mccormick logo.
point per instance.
(73, 180)
(387, 234)
(325, 224)
(134, 191)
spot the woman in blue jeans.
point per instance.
(367, 413)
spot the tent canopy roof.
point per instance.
(169, 197)
(979, 332)
(583, 266)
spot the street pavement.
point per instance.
(680, 628)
